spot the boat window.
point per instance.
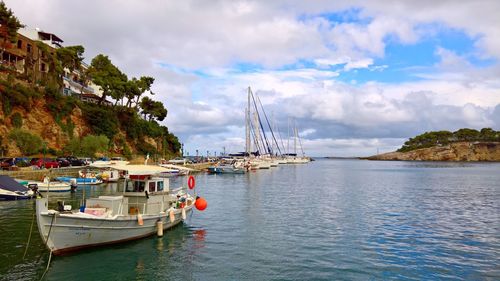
(130, 186)
(159, 186)
(139, 186)
(152, 186)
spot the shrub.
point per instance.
(26, 142)
(101, 119)
(73, 147)
(91, 144)
(146, 148)
(17, 120)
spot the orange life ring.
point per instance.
(191, 182)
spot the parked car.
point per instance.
(75, 161)
(86, 160)
(45, 163)
(22, 161)
(33, 161)
(6, 163)
(63, 162)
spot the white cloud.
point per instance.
(203, 42)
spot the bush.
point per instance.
(101, 119)
(146, 148)
(90, 145)
(17, 120)
(26, 142)
(73, 147)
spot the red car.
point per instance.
(45, 163)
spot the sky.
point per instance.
(356, 77)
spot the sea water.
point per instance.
(327, 220)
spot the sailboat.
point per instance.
(293, 158)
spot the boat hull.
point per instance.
(12, 196)
(65, 233)
(80, 181)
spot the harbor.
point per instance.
(249, 140)
(293, 222)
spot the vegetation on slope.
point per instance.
(440, 138)
(131, 119)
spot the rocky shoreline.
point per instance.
(458, 151)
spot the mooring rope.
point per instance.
(29, 237)
(47, 268)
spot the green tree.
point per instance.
(108, 77)
(71, 57)
(154, 109)
(9, 24)
(466, 134)
(26, 142)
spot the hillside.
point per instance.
(61, 121)
(457, 151)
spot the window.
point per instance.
(130, 186)
(28, 48)
(19, 44)
(139, 186)
(159, 186)
(42, 67)
(152, 186)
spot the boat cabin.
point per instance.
(145, 183)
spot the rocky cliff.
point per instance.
(38, 120)
(459, 151)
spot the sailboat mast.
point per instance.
(248, 144)
(295, 137)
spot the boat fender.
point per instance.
(172, 216)
(147, 194)
(159, 228)
(139, 219)
(183, 212)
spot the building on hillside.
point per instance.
(25, 57)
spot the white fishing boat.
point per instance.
(146, 206)
(51, 186)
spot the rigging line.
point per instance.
(281, 139)
(300, 143)
(257, 146)
(261, 126)
(267, 120)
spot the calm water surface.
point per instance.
(328, 220)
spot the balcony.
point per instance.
(79, 87)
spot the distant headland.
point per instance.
(462, 145)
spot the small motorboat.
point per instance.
(80, 181)
(12, 190)
(52, 186)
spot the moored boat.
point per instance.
(51, 186)
(80, 181)
(146, 206)
(12, 190)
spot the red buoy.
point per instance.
(191, 182)
(200, 203)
